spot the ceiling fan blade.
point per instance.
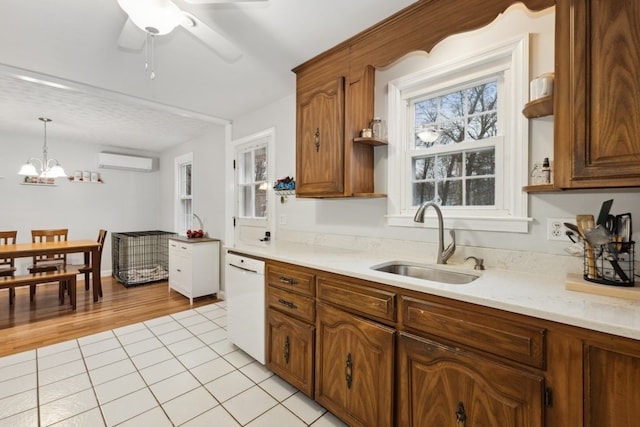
(219, 1)
(228, 51)
(131, 37)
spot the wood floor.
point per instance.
(28, 325)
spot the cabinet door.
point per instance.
(176, 267)
(354, 368)
(290, 346)
(597, 94)
(320, 141)
(611, 386)
(444, 386)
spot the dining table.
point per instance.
(90, 248)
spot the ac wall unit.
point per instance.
(125, 162)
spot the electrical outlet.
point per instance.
(283, 219)
(556, 229)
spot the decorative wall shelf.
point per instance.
(39, 184)
(541, 188)
(284, 194)
(86, 182)
(539, 108)
(371, 141)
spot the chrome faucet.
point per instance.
(443, 254)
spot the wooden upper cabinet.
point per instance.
(335, 90)
(597, 94)
(320, 140)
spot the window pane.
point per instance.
(260, 164)
(450, 166)
(481, 192)
(246, 201)
(187, 183)
(422, 192)
(246, 173)
(261, 202)
(451, 106)
(423, 168)
(451, 132)
(482, 126)
(481, 162)
(482, 98)
(450, 192)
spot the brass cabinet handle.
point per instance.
(286, 350)
(317, 135)
(287, 280)
(348, 371)
(287, 303)
(461, 416)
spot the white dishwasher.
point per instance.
(245, 293)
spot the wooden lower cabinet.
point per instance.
(354, 367)
(611, 379)
(290, 348)
(441, 386)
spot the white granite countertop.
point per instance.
(535, 295)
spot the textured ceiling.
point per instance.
(115, 103)
(105, 118)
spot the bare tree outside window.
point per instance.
(253, 183)
(460, 174)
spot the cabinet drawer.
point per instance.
(176, 247)
(299, 306)
(363, 299)
(505, 338)
(291, 279)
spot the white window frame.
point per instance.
(253, 229)
(183, 220)
(509, 58)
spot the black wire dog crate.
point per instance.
(140, 257)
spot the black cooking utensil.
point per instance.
(604, 212)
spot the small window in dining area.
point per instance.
(184, 193)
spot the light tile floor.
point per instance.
(177, 370)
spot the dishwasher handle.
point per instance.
(248, 270)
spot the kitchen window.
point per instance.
(184, 193)
(457, 136)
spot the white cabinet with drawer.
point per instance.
(194, 266)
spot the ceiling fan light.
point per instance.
(161, 15)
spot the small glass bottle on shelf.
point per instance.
(377, 128)
(546, 171)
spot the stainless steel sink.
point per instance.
(425, 272)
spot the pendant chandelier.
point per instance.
(45, 167)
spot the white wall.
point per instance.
(208, 181)
(126, 201)
(366, 217)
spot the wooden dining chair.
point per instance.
(7, 265)
(48, 262)
(88, 268)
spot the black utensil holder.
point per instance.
(607, 267)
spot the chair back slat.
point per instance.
(7, 265)
(53, 235)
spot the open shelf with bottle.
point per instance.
(371, 141)
(537, 108)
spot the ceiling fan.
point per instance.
(151, 18)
